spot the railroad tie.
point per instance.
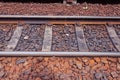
(81, 39)
(14, 39)
(113, 36)
(47, 39)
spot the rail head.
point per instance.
(88, 54)
(37, 19)
(56, 17)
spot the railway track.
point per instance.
(60, 36)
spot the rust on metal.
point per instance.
(11, 22)
(83, 22)
(58, 22)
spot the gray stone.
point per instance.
(112, 59)
(104, 77)
(1, 45)
(118, 66)
(87, 68)
(98, 75)
(20, 61)
(84, 78)
(79, 65)
(2, 74)
(26, 37)
(119, 60)
(84, 72)
(27, 72)
(85, 60)
(7, 38)
(1, 66)
(114, 74)
(104, 60)
(40, 59)
(65, 77)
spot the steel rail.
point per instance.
(57, 17)
(92, 54)
(24, 17)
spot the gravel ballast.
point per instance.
(58, 68)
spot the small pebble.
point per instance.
(104, 77)
(1, 45)
(20, 61)
(26, 37)
(67, 34)
(2, 74)
(1, 66)
(118, 66)
(114, 74)
(85, 7)
(119, 60)
(64, 77)
(98, 75)
(79, 65)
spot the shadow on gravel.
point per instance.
(34, 1)
(100, 1)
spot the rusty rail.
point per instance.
(15, 19)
